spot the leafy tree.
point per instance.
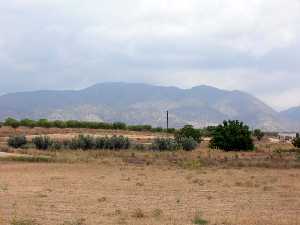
(258, 134)
(43, 123)
(28, 123)
(188, 131)
(232, 135)
(12, 122)
(119, 126)
(296, 141)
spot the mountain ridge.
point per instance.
(138, 103)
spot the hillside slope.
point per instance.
(143, 104)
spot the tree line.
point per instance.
(82, 124)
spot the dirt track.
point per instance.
(111, 194)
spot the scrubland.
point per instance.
(133, 187)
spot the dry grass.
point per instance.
(145, 187)
(107, 194)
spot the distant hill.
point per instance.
(143, 104)
(292, 114)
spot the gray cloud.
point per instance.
(235, 44)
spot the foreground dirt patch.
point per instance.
(111, 194)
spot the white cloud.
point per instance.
(236, 44)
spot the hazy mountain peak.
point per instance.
(136, 103)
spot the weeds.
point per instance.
(199, 220)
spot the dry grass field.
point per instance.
(148, 188)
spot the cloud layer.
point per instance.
(234, 44)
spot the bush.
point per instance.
(83, 142)
(188, 131)
(86, 142)
(164, 144)
(188, 143)
(117, 142)
(42, 142)
(17, 141)
(232, 136)
(258, 134)
(296, 141)
(56, 145)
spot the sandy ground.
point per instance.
(129, 194)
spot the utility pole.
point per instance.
(167, 121)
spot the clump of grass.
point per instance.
(27, 159)
(157, 212)
(138, 213)
(76, 222)
(23, 222)
(199, 220)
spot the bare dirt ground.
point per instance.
(148, 188)
(128, 194)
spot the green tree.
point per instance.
(28, 123)
(232, 135)
(12, 122)
(258, 134)
(296, 141)
(188, 131)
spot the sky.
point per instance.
(253, 46)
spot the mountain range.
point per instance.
(147, 104)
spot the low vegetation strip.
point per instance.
(82, 124)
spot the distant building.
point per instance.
(287, 136)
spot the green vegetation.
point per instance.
(82, 124)
(232, 136)
(296, 141)
(188, 143)
(42, 142)
(17, 141)
(258, 134)
(188, 131)
(165, 144)
(199, 221)
(22, 222)
(12, 122)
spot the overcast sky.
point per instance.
(252, 46)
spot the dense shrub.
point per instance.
(83, 142)
(42, 142)
(164, 144)
(118, 142)
(258, 134)
(296, 141)
(188, 131)
(17, 141)
(56, 145)
(188, 143)
(208, 131)
(86, 142)
(232, 136)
